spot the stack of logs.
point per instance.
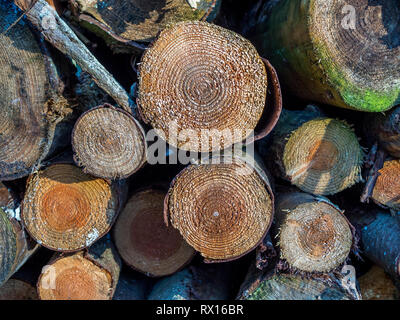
(293, 201)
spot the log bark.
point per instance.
(131, 287)
(67, 210)
(377, 285)
(36, 116)
(380, 237)
(222, 206)
(91, 274)
(202, 282)
(159, 252)
(109, 143)
(121, 24)
(222, 88)
(313, 234)
(16, 247)
(341, 53)
(319, 155)
(384, 128)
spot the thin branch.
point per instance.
(60, 35)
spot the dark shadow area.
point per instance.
(391, 21)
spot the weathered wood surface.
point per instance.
(36, 119)
(341, 53)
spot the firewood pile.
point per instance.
(200, 150)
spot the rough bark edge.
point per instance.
(272, 112)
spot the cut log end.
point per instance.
(75, 278)
(347, 52)
(144, 241)
(314, 235)
(15, 289)
(108, 143)
(363, 41)
(23, 82)
(323, 157)
(222, 210)
(65, 209)
(213, 76)
(387, 188)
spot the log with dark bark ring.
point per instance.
(144, 241)
(314, 235)
(341, 53)
(25, 99)
(86, 275)
(317, 154)
(67, 210)
(109, 143)
(15, 289)
(224, 209)
(386, 191)
(202, 83)
(272, 112)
